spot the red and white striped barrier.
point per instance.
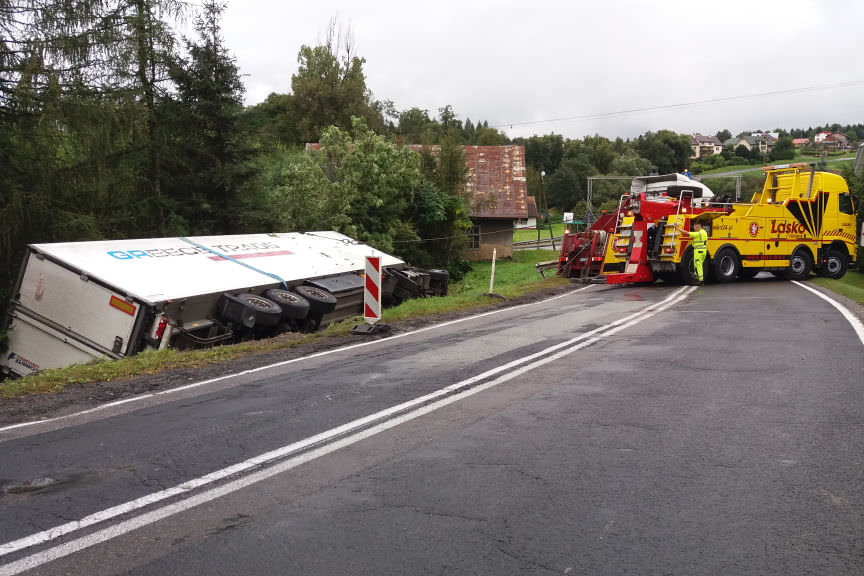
(372, 292)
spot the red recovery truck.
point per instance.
(643, 231)
(582, 253)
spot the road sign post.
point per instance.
(372, 299)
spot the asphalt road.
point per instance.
(632, 430)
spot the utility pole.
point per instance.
(539, 202)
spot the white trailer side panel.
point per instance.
(34, 346)
(80, 306)
(162, 269)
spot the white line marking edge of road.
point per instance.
(856, 323)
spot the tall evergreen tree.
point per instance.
(207, 173)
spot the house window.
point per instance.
(475, 237)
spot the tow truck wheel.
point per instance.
(727, 265)
(294, 306)
(800, 266)
(835, 265)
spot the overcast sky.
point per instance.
(511, 63)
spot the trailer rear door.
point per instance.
(77, 306)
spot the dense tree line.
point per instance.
(112, 125)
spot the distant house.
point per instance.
(704, 146)
(835, 141)
(800, 142)
(764, 141)
(497, 187)
(733, 142)
(531, 220)
(820, 137)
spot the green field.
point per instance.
(834, 163)
(526, 235)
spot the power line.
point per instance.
(682, 104)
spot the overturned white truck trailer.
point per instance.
(82, 300)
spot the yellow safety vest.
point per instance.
(700, 240)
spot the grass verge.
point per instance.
(851, 285)
(513, 278)
(529, 234)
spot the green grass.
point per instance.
(526, 235)
(851, 285)
(832, 162)
(512, 278)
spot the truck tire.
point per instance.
(727, 265)
(234, 311)
(800, 265)
(267, 312)
(294, 306)
(320, 301)
(835, 265)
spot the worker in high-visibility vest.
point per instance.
(700, 247)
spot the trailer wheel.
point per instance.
(294, 306)
(320, 301)
(800, 265)
(727, 265)
(267, 312)
(835, 265)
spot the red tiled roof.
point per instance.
(495, 179)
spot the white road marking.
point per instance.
(851, 318)
(308, 449)
(284, 363)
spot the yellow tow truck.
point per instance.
(802, 221)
